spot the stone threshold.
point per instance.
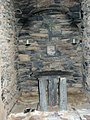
(75, 114)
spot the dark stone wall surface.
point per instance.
(45, 41)
(51, 35)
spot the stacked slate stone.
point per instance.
(50, 35)
(86, 41)
(7, 47)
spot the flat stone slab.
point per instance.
(83, 114)
(52, 73)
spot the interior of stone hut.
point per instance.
(44, 57)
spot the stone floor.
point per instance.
(76, 99)
(78, 108)
(76, 114)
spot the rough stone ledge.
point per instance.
(83, 114)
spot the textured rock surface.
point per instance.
(64, 115)
(7, 47)
(86, 41)
(50, 35)
(2, 110)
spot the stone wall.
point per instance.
(8, 48)
(86, 43)
(2, 110)
(50, 35)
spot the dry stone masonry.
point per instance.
(7, 47)
(86, 41)
(54, 36)
(43, 35)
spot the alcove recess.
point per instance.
(41, 35)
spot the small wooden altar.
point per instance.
(52, 81)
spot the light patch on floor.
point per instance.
(76, 99)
